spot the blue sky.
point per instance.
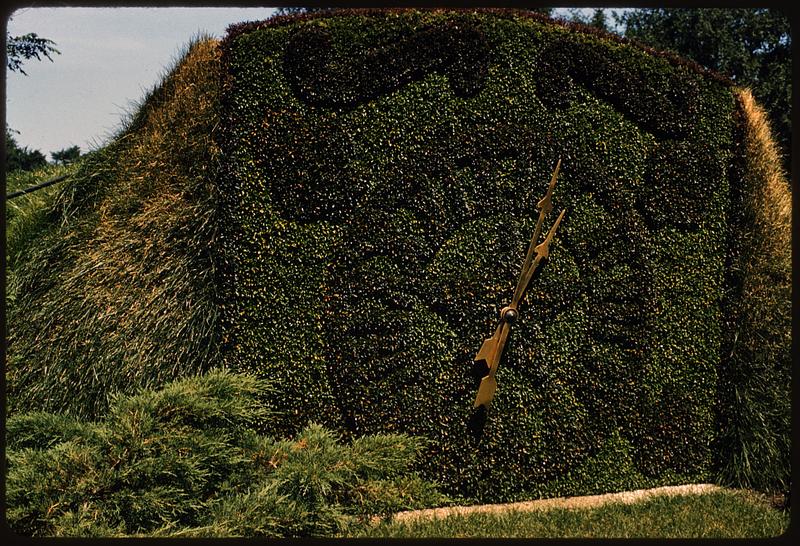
(110, 58)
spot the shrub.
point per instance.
(186, 460)
(374, 226)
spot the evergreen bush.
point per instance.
(186, 460)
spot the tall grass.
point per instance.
(26, 214)
(755, 376)
(116, 290)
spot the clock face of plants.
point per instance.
(380, 188)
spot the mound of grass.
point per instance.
(755, 395)
(23, 212)
(725, 514)
(113, 286)
(186, 460)
(26, 215)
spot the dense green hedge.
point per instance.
(378, 195)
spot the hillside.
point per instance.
(341, 205)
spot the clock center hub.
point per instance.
(509, 314)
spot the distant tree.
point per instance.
(18, 50)
(29, 46)
(18, 158)
(597, 19)
(752, 46)
(67, 155)
(298, 10)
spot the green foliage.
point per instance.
(26, 214)
(355, 252)
(26, 217)
(755, 398)
(21, 159)
(66, 155)
(186, 461)
(597, 19)
(26, 47)
(157, 456)
(753, 46)
(723, 514)
(611, 468)
(321, 487)
(113, 284)
(371, 235)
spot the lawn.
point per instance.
(720, 514)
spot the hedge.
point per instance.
(379, 193)
(341, 203)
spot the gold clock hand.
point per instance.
(543, 250)
(493, 350)
(542, 254)
(545, 205)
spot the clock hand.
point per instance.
(491, 351)
(542, 254)
(492, 348)
(544, 206)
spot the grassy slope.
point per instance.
(117, 289)
(26, 215)
(755, 394)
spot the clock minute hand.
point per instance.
(545, 205)
(542, 254)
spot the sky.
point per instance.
(109, 59)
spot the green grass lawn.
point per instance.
(25, 213)
(723, 514)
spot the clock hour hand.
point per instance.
(491, 351)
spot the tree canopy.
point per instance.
(28, 46)
(18, 50)
(751, 46)
(21, 158)
(66, 155)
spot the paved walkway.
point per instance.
(589, 501)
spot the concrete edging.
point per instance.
(589, 501)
